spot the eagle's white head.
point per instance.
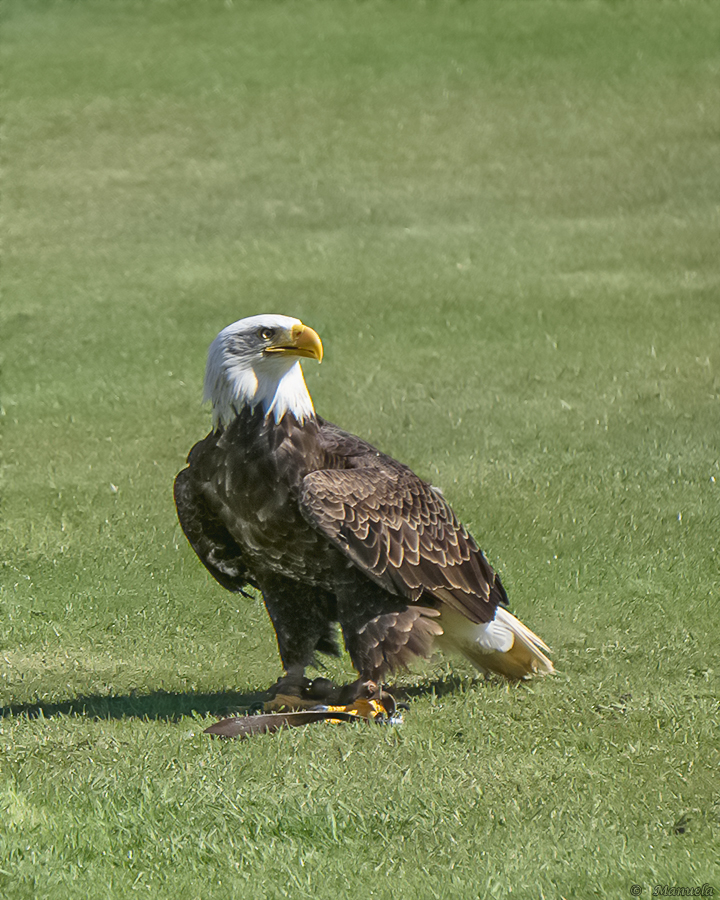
(257, 361)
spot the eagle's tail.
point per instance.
(505, 645)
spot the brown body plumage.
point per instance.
(330, 529)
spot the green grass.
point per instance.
(503, 218)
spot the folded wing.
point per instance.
(400, 531)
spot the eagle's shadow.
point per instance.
(168, 706)
(172, 706)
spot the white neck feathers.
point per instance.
(233, 383)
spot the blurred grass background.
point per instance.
(503, 219)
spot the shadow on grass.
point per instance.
(439, 687)
(169, 706)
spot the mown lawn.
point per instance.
(503, 218)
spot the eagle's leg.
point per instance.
(368, 617)
(302, 616)
(363, 688)
(292, 684)
(383, 632)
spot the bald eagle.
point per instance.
(330, 530)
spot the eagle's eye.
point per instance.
(267, 334)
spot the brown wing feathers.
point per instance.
(402, 533)
(213, 543)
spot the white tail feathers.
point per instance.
(505, 645)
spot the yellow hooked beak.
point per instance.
(303, 342)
